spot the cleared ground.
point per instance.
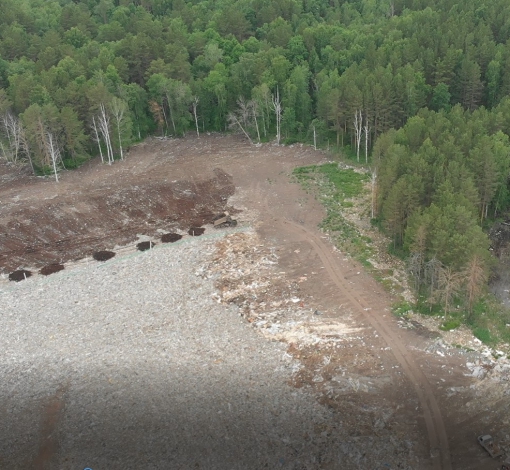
(248, 348)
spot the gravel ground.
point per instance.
(133, 364)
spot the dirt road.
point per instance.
(380, 381)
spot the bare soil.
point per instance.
(381, 379)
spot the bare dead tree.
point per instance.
(104, 126)
(243, 111)
(449, 284)
(415, 267)
(243, 118)
(97, 139)
(25, 145)
(12, 130)
(118, 108)
(54, 152)
(169, 103)
(475, 279)
(277, 108)
(254, 106)
(233, 122)
(431, 276)
(358, 130)
(194, 103)
(373, 181)
(4, 121)
(366, 130)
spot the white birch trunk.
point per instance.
(195, 104)
(367, 132)
(235, 122)
(256, 124)
(97, 138)
(104, 125)
(54, 153)
(277, 107)
(171, 114)
(374, 191)
(26, 147)
(118, 109)
(358, 129)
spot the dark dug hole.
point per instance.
(170, 237)
(51, 268)
(196, 231)
(144, 246)
(19, 275)
(103, 255)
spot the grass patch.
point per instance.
(334, 186)
(401, 309)
(489, 320)
(484, 335)
(449, 325)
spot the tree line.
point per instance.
(439, 178)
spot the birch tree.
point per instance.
(25, 145)
(194, 104)
(358, 130)
(118, 109)
(104, 126)
(262, 95)
(96, 137)
(54, 152)
(277, 108)
(12, 130)
(366, 131)
(254, 107)
(240, 118)
(373, 183)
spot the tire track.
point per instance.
(438, 439)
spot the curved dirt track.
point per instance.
(438, 440)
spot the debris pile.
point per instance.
(246, 276)
(328, 356)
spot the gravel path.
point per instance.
(133, 364)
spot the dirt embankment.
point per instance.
(69, 225)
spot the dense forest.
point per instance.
(417, 89)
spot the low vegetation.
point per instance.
(335, 187)
(339, 187)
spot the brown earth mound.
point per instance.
(144, 246)
(170, 237)
(103, 255)
(19, 275)
(51, 268)
(196, 231)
